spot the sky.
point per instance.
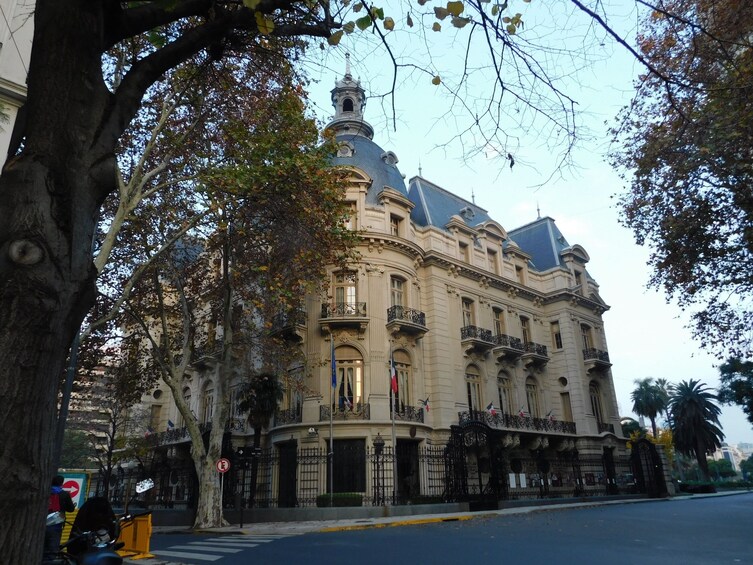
(646, 335)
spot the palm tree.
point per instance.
(695, 421)
(648, 400)
(260, 398)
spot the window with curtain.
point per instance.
(532, 398)
(404, 396)
(473, 387)
(349, 363)
(504, 388)
(595, 394)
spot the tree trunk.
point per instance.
(49, 201)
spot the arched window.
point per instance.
(349, 388)
(473, 387)
(532, 398)
(347, 105)
(595, 394)
(404, 396)
(504, 388)
(207, 402)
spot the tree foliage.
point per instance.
(649, 400)
(736, 387)
(685, 144)
(694, 421)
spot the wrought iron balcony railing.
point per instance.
(288, 416)
(606, 427)
(295, 317)
(596, 359)
(344, 310)
(501, 421)
(476, 333)
(536, 349)
(361, 411)
(409, 414)
(404, 314)
(509, 342)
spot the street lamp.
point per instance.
(378, 448)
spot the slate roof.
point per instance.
(435, 206)
(543, 241)
(367, 156)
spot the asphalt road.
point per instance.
(691, 531)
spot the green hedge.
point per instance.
(340, 499)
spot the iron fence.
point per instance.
(288, 475)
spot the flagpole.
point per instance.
(333, 386)
(394, 440)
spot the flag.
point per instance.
(149, 431)
(490, 408)
(170, 425)
(522, 413)
(348, 403)
(425, 403)
(393, 373)
(334, 363)
(550, 416)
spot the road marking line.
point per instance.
(185, 555)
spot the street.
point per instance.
(687, 531)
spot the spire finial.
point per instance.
(347, 64)
(420, 173)
(473, 196)
(538, 211)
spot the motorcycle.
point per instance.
(94, 533)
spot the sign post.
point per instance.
(222, 465)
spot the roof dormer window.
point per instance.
(467, 213)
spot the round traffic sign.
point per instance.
(222, 465)
(72, 487)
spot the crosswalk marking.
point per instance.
(213, 549)
(184, 555)
(207, 547)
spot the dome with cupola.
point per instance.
(354, 135)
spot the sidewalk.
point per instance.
(323, 526)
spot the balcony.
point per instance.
(475, 338)
(289, 416)
(406, 320)
(289, 326)
(409, 414)
(535, 355)
(361, 411)
(605, 428)
(343, 315)
(207, 352)
(500, 421)
(507, 348)
(596, 360)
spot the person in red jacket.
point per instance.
(60, 502)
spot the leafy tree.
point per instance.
(694, 419)
(747, 468)
(685, 144)
(77, 452)
(649, 400)
(720, 469)
(736, 386)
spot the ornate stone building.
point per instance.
(503, 381)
